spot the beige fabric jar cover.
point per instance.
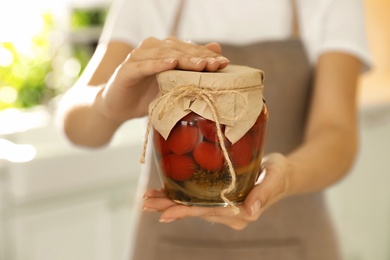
(232, 97)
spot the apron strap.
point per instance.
(176, 22)
(295, 32)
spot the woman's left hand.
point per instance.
(272, 188)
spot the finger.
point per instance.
(188, 47)
(137, 70)
(160, 193)
(181, 211)
(215, 47)
(212, 64)
(255, 201)
(224, 62)
(232, 222)
(263, 195)
(190, 56)
(211, 52)
(185, 47)
(157, 204)
(185, 60)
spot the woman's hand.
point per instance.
(119, 83)
(272, 188)
(133, 85)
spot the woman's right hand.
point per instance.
(133, 85)
(90, 115)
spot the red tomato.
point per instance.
(258, 138)
(259, 129)
(189, 119)
(178, 167)
(160, 144)
(209, 156)
(261, 119)
(183, 138)
(241, 151)
(209, 130)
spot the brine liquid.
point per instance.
(192, 167)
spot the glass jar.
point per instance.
(209, 133)
(193, 168)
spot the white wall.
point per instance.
(361, 202)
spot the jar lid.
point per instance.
(232, 96)
(231, 77)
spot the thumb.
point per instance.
(215, 47)
(271, 185)
(256, 197)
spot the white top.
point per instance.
(325, 25)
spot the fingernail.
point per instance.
(211, 60)
(146, 209)
(169, 60)
(196, 60)
(255, 207)
(222, 59)
(166, 220)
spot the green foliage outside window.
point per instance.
(28, 77)
(22, 79)
(83, 18)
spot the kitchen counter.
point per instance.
(57, 197)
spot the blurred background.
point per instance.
(59, 202)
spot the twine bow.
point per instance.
(207, 95)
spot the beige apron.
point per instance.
(295, 228)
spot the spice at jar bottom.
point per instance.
(209, 132)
